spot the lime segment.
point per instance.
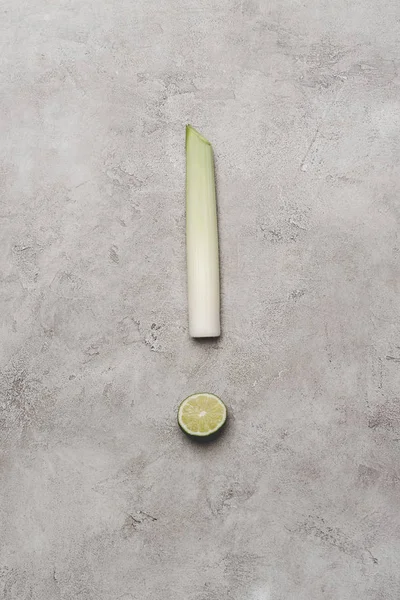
(201, 414)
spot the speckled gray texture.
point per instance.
(102, 497)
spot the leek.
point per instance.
(201, 238)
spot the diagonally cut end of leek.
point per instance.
(201, 237)
(192, 131)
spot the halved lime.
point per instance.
(201, 414)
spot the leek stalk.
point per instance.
(201, 238)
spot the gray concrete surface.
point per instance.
(102, 497)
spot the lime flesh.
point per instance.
(202, 414)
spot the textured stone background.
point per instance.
(102, 498)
